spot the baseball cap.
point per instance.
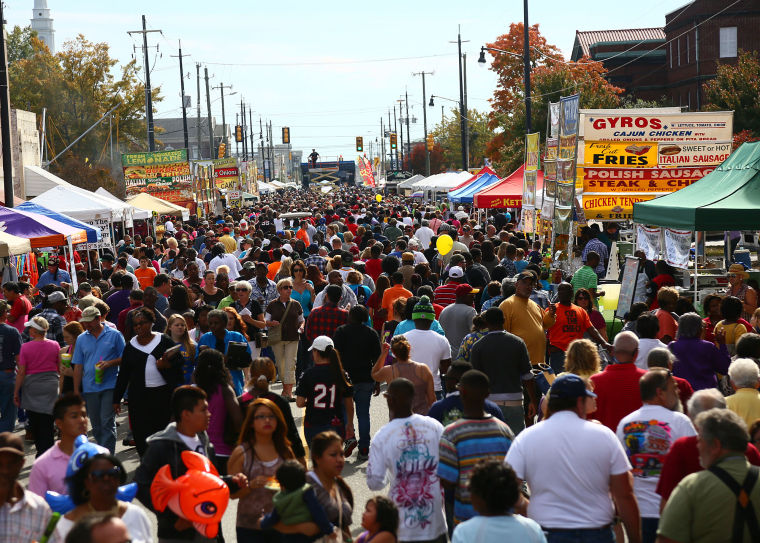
(11, 443)
(57, 296)
(456, 272)
(321, 343)
(464, 289)
(570, 386)
(107, 258)
(90, 314)
(249, 265)
(526, 274)
(287, 247)
(226, 230)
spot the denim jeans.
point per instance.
(8, 410)
(649, 529)
(514, 416)
(557, 361)
(601, 535)
(311, 431)
(102, 417)
(362, 399)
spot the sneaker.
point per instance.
(363, 455)
(349, 445)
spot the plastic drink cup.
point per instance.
(66, 360)
(99, 370)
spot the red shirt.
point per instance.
(617, 390)
(684, 391)
(446, 294)
(683, 459)
(437, 308)
(374, 267)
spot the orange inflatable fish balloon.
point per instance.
(198, 496)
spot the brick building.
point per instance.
(674, 61)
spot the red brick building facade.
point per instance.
(675, 61)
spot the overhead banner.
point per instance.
(648, 240)
(365, 171)
(529, 189)
(609, 207)
(693, 154)
(530, 171)
(677, 247)
(156, 172)
(668, 127)
(531, 152)
(646, 180)
(614, 154)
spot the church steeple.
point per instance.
(43, 24)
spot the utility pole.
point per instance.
(466, 110)
(424, 120)
(271, 149)
(237, 122)
(250, 128)
(182, 90)
(148, 96)
(208, 112)
(408, 132)
(221, 88)
(261, 143)
(395, 128)
(390, 149)
(462, 114)
(198, 110)
(382, 146)
(401, 122)
(242, 128)
(5, 116)
(526, 66)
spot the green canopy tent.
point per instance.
(726, 199)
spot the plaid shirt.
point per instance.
(54, 331)
(324, 320)
(25, 520)
(318, 261)
(268, 294)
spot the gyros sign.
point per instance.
(675, 127)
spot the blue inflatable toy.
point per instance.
(83, 450)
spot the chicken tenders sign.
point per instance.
(673, 127)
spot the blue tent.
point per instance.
(93, 233)
(464, 195)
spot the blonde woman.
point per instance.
(419, 374)
(284, 270)
(582, 358)
(176, 328)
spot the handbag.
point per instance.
(237, 355)
(274, 335)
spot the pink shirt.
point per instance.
(48, 472)
(39, 356)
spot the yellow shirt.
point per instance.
(746, 404)
(524, 318)
(230, 245)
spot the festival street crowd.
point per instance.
(516, 411)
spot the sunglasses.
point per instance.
(287, 287)
(732, 275)
(100, 474)
(298, 270)
(241, 290)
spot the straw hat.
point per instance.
(738, 269)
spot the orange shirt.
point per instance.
(391, 295)
(303, 235)
(145, 276)
(668, 325)
(273, 268)
(570, 323)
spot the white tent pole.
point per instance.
(696, 270)
(72, 267)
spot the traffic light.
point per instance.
(359, 144)
(222, 149)
(285, 134)
(393, 140)
(430, 142)
(238, 133)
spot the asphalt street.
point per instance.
(354, 471)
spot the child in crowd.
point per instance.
(380, 520)
(295, 503)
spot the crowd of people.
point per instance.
(513, 413)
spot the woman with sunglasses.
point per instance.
(303, 293)
(93, 490)
(251, 313)
(583, 299)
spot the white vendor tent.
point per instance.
(13, 245)
(441, 182)
(38, 180)
(162, 207)
(74, 204)
(137, 213)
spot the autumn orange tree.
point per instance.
(416, 162)
(551, 78)
(737, 88)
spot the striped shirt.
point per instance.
(585, 277)
(446, 294)
(463, 444)
(25, 520)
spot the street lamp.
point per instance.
(526, 63)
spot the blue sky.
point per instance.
(304, 64)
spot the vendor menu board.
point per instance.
(158, 171)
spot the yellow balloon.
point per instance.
(444, 244)
(379, 197)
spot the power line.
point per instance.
(325, 63)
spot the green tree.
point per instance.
(448, 135)
(78, 85)
(737, 88)
(19, 43)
